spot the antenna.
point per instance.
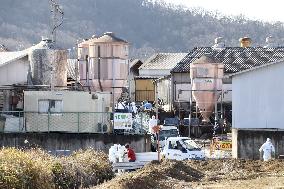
(56, 19)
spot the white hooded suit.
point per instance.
(267, 149)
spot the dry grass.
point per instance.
(35, 168)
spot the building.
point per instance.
(133, 72)
(39, 66)
(258, 101)
(156, 69)
(235, 59)
(66, 111)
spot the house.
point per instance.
(156, 69)
(258, 101)
(235, 59)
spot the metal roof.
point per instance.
(163, 61)
(135, 63)
(107, 37)
(255, 68)
(235, 59)
(7, 57)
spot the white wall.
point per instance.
(70, 120)
(14, 72)
(258, 98)
(154, 72)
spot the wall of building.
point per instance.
(154, 72)
(144, 90)
(60, 141)
(258, 98)
(14, 72)
(246, 142)
(81, 112)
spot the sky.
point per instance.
(264, 10)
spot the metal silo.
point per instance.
(206, 77)
(48, 66)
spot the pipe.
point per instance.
(87, 73)
(99, 68)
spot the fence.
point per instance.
(68, 122)
(73, 122)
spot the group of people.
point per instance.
(267, 148)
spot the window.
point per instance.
(50, 106)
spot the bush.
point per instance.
(36, 169)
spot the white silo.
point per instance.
(206, 77)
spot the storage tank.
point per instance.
(107, 66)
(48, 66)
(206, 77)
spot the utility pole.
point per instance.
(56, 21)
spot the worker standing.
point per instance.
(130, 154)
(268, 149)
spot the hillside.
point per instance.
(148, 26)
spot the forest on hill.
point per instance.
(149, 26)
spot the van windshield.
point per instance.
(168, 133)
(190, 144)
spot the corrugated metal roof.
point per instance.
(163, 61)
(6, 57)
(235, 59)
(256, 68)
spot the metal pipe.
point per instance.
(190, 106)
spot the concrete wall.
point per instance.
(258, 98)
(247, 142)
(60, 141)
(14, 72)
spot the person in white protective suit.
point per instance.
(267, 149)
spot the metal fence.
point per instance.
(67, 122)
(72, 122)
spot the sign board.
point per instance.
(223, 145)
(152, 123)
(122, 121)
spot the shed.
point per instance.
(156, 69)
(257, 101)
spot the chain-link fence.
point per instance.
(73, 122)
(68, 122)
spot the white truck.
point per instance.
(182, 148)
(166, 132)
(177, 148)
